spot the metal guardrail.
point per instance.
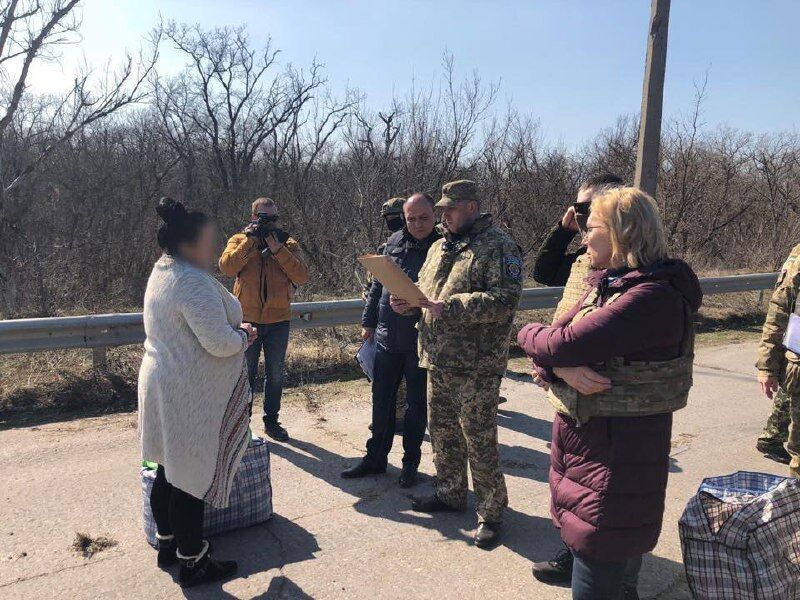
(121, 329)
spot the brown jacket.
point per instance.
(264, 286)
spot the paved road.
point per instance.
(332, 538)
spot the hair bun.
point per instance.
(170, 210)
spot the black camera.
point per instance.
(582, 210)
(266, 225)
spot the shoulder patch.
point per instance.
(787, 263)
(513, 266)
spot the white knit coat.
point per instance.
(192, 367)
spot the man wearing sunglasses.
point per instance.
(555, 266)
(267, 265)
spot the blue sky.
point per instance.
(574, 65)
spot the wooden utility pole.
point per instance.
(652, 98)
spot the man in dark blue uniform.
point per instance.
(396, 356)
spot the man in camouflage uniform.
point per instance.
(776, 431)
(472, 280)
(777, 366)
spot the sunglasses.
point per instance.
(267, 218)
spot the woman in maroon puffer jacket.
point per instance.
(608, 476)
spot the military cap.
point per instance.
(393, 206)
(456, 191)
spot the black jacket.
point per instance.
(393, 332)
(553, 263)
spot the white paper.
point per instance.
(366, 357)
(791, 339)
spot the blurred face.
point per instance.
(459, 217)
(420, 219)
(202, 253)
(597, 240)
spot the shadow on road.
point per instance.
(522, 423)
(378, 496)
(260, 549)
(283, 588)
(521, 461)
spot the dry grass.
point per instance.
(51, 386)
(319, 355)
(59, 385)
(88, 546)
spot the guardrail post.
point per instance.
(100, 359)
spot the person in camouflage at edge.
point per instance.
(776, 431)
(472, 280)
(777, 366)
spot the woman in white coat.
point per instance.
(194, 396)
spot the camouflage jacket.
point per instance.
(772, 356)
(479, 278)
(576, 286)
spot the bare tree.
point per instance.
(233, 98)
(32, 31)
(82, 169)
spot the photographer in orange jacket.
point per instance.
(267, 265)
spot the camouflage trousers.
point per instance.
(791, 383)
(794, 434)
(777, 427)
(462, 420)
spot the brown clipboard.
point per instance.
(392, 277)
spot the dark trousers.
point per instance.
(274, 339)
(390, 369)
(177, 513)
(602, 580)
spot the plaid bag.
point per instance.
(740, 537)
(250, 500)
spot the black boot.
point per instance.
(774, 451)
(274, 430)
(630, 593)
(556, 570)
(167, 549)
(362, 469)
(196, 570)
(432, 504)
(408, 476)
(487, 535)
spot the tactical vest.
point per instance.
(576, 286)
(638, 388)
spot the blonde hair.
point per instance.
(636, 230)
